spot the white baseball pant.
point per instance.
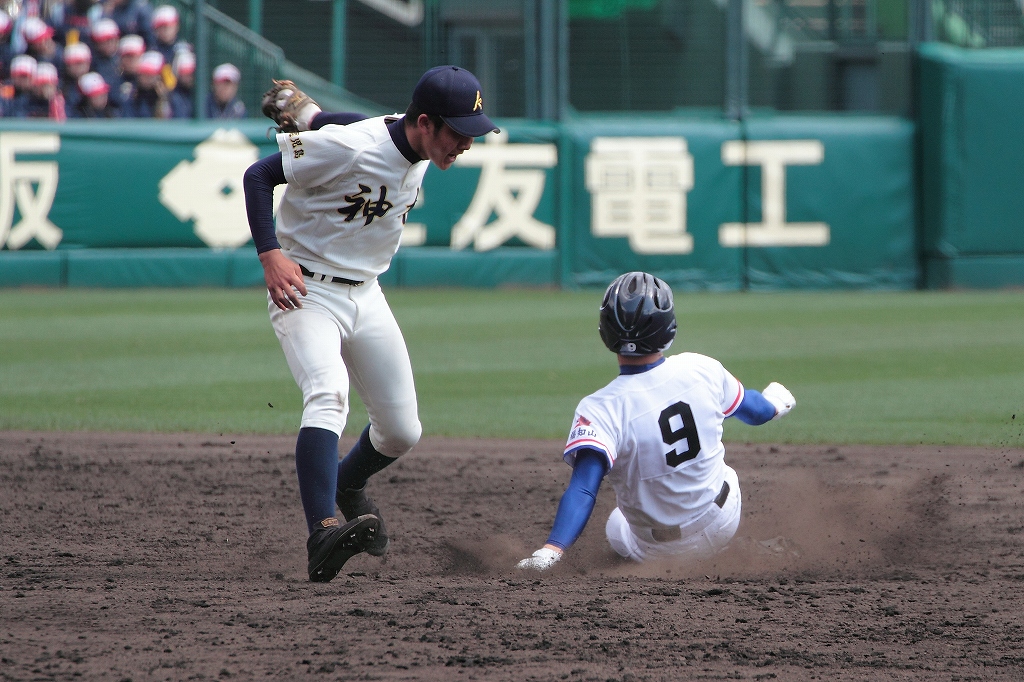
(700, 539)
(344, 333)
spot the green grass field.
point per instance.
(909, 367)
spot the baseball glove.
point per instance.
(283, 103)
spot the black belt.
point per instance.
(328, 278)
(723, 495)
(670, 534)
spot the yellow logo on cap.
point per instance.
(479, 104)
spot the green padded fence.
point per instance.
(971, 146)
(776, 202)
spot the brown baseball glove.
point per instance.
(283, 103)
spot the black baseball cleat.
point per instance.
(331, 545)
(354, 503)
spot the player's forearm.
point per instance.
(577, 503)
(259, 182)
(340, 118)
(755, 409)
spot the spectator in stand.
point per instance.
(40, 43)
(77, 58)
(223, 101)
(46, 100)
(23, 72)
(105, 37)
(165, 29)
(129, 53)
(149, 97)
(132, 17)
(72, 19)
(95, 101)
(6, 52)
(182, 102)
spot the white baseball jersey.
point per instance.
(662, 433)
(349, 190)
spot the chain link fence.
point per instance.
(544, 59)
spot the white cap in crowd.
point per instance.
(23, 65)
(184, 62)
(164, 15)
(92, 84)
(35, 30)
(105, 29)
(5, 23)
(46, 74)
(151, 63)
(132, 45)
(77, 53)
(227, 72)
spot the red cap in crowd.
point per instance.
(92, 84)
(184, 62)
(164, 15)
(77, 53)
(227, 72)
(150, 63)
(132, 46)
(46, 74)
(105, 29)
(36, 30)
(23, 65)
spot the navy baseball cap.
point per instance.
(453, 93)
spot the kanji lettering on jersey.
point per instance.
(369, 209)
(296, 143)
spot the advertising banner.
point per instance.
(704, 203)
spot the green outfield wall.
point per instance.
(772, 202)
(707, 204)
(972, 166)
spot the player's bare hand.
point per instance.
(284, 279)
(779, 396)
(541, 560)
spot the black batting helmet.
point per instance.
(637, 315)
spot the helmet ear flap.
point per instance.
(637, 315)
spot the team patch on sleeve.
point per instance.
(585, 434)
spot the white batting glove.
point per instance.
(779, 396)
(543, 559)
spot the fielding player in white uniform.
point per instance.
(351, 183)
(656, 432)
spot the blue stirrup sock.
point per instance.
(361, 462)
(316, 464)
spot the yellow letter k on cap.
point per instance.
(479, 103)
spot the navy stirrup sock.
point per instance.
(360, 463)
(316, 464)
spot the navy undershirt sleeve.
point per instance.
(340, 118)
(754, 409)
(259, 182)
(579, 497)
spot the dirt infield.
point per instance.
(180, 557)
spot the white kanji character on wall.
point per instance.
(638, 188)
(511, 195)
(29, 185)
